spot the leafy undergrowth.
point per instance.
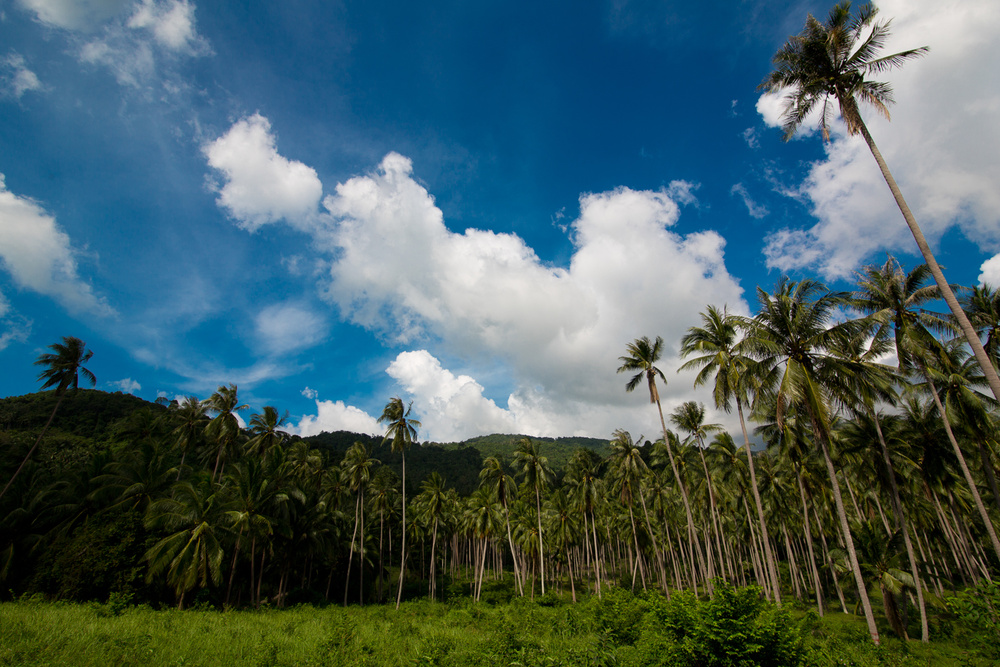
(735, 628)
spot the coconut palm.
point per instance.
(642, 355)
(192, 554)
(716, 343)
(357, 468)
(494, 477)
(792, 338)
(401, 431)
(832, 60)
(583, 477)
(190, 419)
(893, 298)
(63, 368)
(265, 428)
(537, 475)
(982, 304)
(433, 504)
(224, 427)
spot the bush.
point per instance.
(977, 617)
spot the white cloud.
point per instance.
(172, 24)
(310, 393)
(15, 77)
(337, 416)
(13, 327)
(128, 385)
(37, 254)
(156, 33)
(487, 298)
(262, 186)
(755, 210)
(750, 136)
(990, 272)
(286, 327)
(941, 145)
(75, 14)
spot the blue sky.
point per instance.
(474, 206)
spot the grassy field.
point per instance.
(618, 630)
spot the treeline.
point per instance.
(878, 482)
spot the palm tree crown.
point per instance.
(64, 365)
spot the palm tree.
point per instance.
(401, 430)
(627, 469)
(494, 477)
(224, 427)
(433, 501)
(63, 368)
(356, 469)
(192, 554)
(831, 60)
(583, 476)
(716, 343)
(642, 355)
(191, 417)
(265, 427)
(792, 339)
(537, 475)
(893, 298)
(983, 307)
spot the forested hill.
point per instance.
(88, 420)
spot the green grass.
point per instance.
(619, 630)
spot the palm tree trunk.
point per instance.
(513, 554)
(844, 526)
(962, 464)
(541, 561)
(31, 451)
(350, 555)
(809, 540)
(652, 537)
(402, 559)
(949, 296)
(902, 524)
(772, 566)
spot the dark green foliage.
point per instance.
(977, 618)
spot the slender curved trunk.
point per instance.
(809, 541)
(903, 524)
(963, 465)
(402, 560)
(772, 567)
(350, 555)
(652, 537)
(842, 516)
(31, 451)
(694, 544)
(541, 561)
(946, 292)
(635, 539)
(513, 554)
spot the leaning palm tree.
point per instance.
(401, 431)
(717, 345)
(792, 338)
(494, 477)
(832, 60)
(641, 358)
(63, 368)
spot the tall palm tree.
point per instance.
(63, 368)
(583, 476)
(433, 503)
(401, 431)
(627, 469)
(494, 477)
(832, 60)
(717, 344)
(642, 355)
(982, 304)
(537, 475)
(893, 298)
(357, 469)
(224, 427)
(792, 338)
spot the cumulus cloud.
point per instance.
(941, 146)
(15, 77)
(172, 24)
(337, 416)
(37, 254)
(990, 272)
(127, 386)
(486, 298)
(261, 186)
(75, 14)
(14, 328)
(286, 327)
